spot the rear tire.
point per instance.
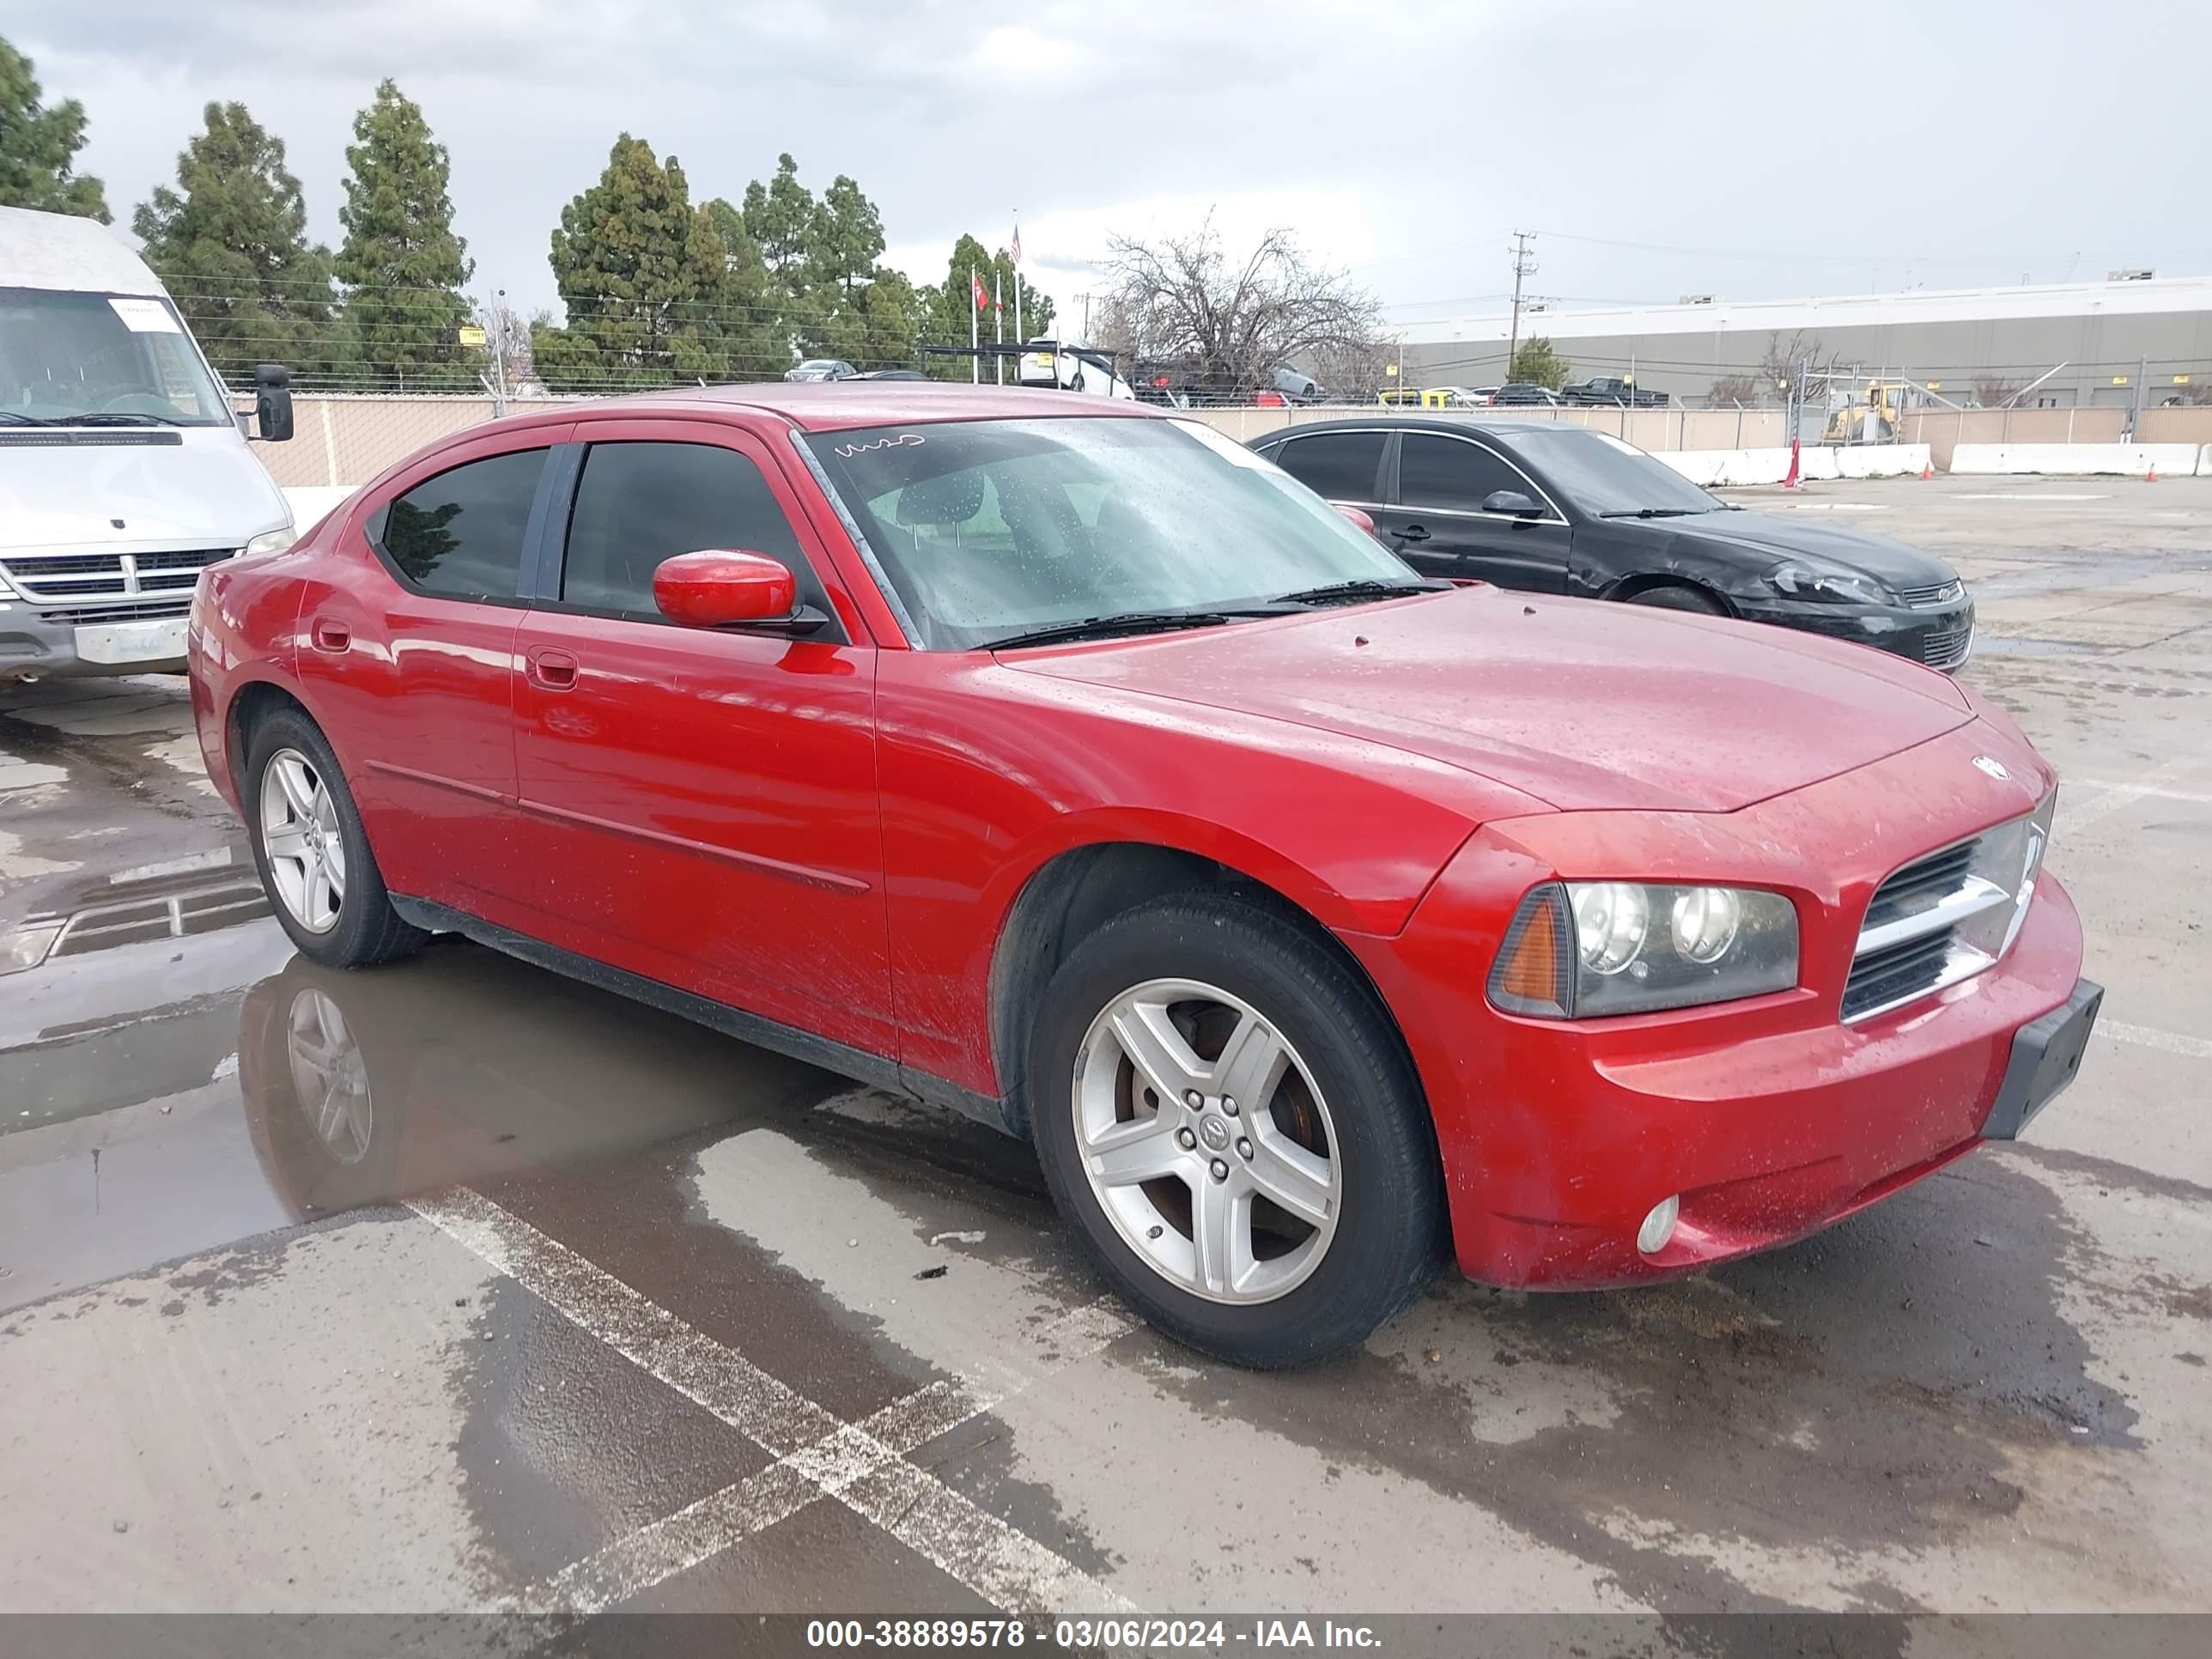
(1675, 596)
(1335, 1126)
(322, 879)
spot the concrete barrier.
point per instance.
(1719, 469)
(2125, 460)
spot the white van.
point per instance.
(123, 470)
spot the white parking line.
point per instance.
(862, 1466)
(2114, 796)
(2150, 1037)
(2028, 496)
(2195, 797)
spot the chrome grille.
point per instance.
(66, 578)
(1946, 916)
(1948, 648)
(1929, 595)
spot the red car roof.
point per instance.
(836, 405)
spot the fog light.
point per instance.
(1659, 1226)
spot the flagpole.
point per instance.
(999, 321)
(1020, 338)
(974, 360)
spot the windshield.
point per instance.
(1602, 475)
(989, 528)
(65, 356)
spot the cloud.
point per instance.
(1405, 140)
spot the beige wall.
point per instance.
(1944, 430)
(342, 439)
(1647, 429)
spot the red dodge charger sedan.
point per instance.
(1060, 761)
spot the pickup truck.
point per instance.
(1613, 391)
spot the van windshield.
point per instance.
(65, 357)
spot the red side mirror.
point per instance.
(1357, 517)
(714, 587)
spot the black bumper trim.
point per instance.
(2046, 1054)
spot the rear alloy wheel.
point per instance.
(1225, 1115)
(311, 851)
(300, 834)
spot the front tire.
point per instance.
(1226, 1116)
(1675, 596)
(313, 853)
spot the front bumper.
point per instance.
(84, 642)
(1941, 636)
(1769, 1117)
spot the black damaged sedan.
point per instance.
(1560, 509)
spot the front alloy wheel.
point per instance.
(1232, 1126)
(1206, 1141)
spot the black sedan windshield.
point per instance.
(990, 529)
(1607, 478)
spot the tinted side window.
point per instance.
(640, 503)
(1450, 472)
(1338, 465)
(460, 533)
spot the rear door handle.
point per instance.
(555, 671)
(1414, 532)
(330, 636)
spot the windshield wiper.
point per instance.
(1362, 587)
(1656, 513)
(1124, 622)
(131, 419)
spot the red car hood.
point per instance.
(1585, 705)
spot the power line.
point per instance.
(1523, 266)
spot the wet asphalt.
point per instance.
(457, 1285)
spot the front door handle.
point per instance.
(1414, 532)
(555, 671)
(330, 636)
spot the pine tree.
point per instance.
(232, 247)
(38, 146)
(401, 260)
(643, 277)
(949, 307)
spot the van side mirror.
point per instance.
(272, 403)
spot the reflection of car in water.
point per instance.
(463, 1065)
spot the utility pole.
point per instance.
(1523, 267)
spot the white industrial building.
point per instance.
(2135, 340)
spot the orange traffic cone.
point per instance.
(1926, 472)
(1790, 480)
(2151, 477)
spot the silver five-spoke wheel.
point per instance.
(301, 836)
(1206, 1141)
(329, 1077)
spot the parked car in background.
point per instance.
(1047, 362)
(1525, 393)
(1559, 509)
(124, 472)
(1070, 765)
(1615, 390)
(823, 368)
(1298, 387)
(890, 374)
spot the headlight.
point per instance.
(272, 541)
(1580, 949)
(1838, 586)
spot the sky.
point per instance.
(1655, 148)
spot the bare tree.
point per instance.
(1232, 322)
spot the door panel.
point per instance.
(699, 805)
(411, 674)
(1437, 523)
